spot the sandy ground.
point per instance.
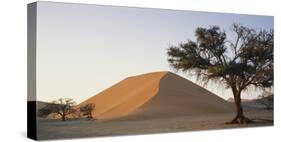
(54, 129)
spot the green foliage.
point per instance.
(248, 60)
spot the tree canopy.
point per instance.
(63, 107)
(244, 61)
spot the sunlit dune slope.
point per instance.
(125, 96)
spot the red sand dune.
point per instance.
(157, 94)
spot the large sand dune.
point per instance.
(158, 94)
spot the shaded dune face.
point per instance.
(178, 96)
(158, 94)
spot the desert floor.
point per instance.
(54, 129)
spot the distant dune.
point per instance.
(157, 94)
(242, 100)
(259, 103)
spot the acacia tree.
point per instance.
(245, 61)
(87, 110)
(62, 107)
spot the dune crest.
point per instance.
(157, 94)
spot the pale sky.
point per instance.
(84, 49)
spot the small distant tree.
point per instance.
(87, 110)
(245, 61)
(62, 107)
(266, 99)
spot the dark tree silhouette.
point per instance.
(246, 61)
(62, 107)
(87, 110)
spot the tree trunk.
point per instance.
(239, 118)
(63, 118)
